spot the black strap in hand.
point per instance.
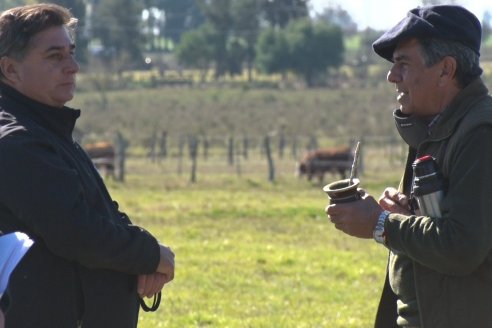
(155, 303)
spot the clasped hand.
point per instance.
(150, 284)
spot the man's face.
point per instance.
(47, 72)
(417, 85)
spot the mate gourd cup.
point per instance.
(343, 191)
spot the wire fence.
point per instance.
(271, 156)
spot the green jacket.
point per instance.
(452, 255)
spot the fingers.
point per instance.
(150, 284)
(396, 196)
(394, 201)
(141, 280)
(356, 218)
(337, 220)
(402, 199)
(146, 285)
(389, 192)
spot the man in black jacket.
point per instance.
(89, 263)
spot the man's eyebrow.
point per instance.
(56, 48)
(399, 58)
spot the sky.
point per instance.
(383, 14)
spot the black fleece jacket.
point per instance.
(86, 253)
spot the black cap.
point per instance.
(447, 22)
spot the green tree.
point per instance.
(181, 15)
(314, 47)
(195, 49)
(117, 24)
(364, 55)
(237, 51)
(272, 52)
(218, 16)
(246, 19)
(336, 15)
(280, 12)
(169, 19)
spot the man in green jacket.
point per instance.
(440, 266)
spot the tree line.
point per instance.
(223, 36)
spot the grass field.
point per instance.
(250, 253)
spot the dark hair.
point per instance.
(18, 25)
(467, 60)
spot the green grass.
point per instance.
(221, 113)
(250, 253)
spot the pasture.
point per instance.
(218, 113)
(249, 252)
(252, 253)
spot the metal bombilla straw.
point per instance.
(353, 171)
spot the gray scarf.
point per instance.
(413, 129)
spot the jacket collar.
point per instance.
(458, 108)
(59, 120)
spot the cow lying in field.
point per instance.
(320, 161)
(102, 154)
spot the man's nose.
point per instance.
(72, 65)
(393, 76)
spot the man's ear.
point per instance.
(8, 66)
(448, 68)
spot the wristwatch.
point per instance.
(379, 233)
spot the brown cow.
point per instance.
(102, 154)
(320, 161)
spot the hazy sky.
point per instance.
(382, 14)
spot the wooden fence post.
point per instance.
(268, 153)
(163, 145)
(121, 146)
(238, 161)
(181, 143)
(230, 151)
(313, 143)
(245, 147)
(193, 143)
(152, 147)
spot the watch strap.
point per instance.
(379, 231)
